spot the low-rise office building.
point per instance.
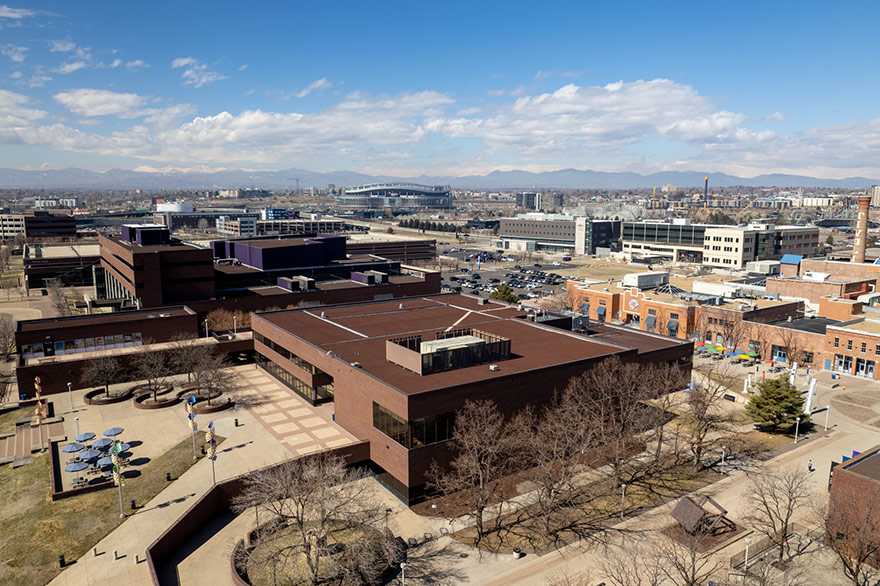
(397, 371)
(557, 233)
(720, 246)
(854, 348)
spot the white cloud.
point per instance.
(17, 54)
(195, 73)
(774, 117)
(15, 13)
(242, 67)
(116, 63)
(137, 64)
(91, 102)
(595, 117)
(62, 46)
(317, 85)
(15, 74)
(71, 67)
(16, 117)
(39, 80)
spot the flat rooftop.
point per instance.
(173, 245)
(67, 251)
(869, 326)
(358, 332)
(53, 323)
(813, 325)
(867, 465)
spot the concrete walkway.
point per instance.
(246, 447)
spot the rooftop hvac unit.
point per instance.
(494, 367)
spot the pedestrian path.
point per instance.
(301, 427)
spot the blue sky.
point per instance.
(442, 88)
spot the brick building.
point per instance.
(854, 505)
(854, 348)
(397, 371)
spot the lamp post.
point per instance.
(387, 511)
(827, 411)
(70, 394)
(207, 334)
(723, 453)
(76, 421)
(402, 573)
(746, 564)
(797, 425)
(234, 326)
(622, 498)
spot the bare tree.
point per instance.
(686, 562)
(556, 445)
(7, 336)
(633, 564)
(152, 366)
(774, 497)
(101, 372)
(612, 397)
(57, 297)
(331, 520)
(853, 534)
(703, 414)
(483, 446)
(222, 319)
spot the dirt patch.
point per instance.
(854, 411)
(861, 399)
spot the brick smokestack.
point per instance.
(861, 240)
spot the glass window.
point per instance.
(673, 316)
(849, 344)
(416, 433)
(864, 347)
(836, 342)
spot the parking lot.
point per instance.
(481, 271)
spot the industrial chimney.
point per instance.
(861, 240)
(706, 190)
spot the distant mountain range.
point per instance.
(74, 178)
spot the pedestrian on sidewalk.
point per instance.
(810, 465)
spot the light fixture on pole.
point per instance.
(827, 411)
(70, 394)
(207, 335)
(746, 564)
(402, 573)
(76, 421)
(622, 498)
(723, 453)
(234, 325)
(797, 425)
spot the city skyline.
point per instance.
(406, 91)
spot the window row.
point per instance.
(863, 347)
(304, 364)
(416, 433)
(314, 395)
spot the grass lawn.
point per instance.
(597, 508)
(36, 530)
(600, 270)
(7, 420)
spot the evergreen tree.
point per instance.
(504, 293)
(777, 404)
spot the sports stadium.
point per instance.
(395, 196)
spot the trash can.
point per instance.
(517, 553)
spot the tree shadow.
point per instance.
(433, 563)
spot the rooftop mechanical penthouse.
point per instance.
(398, 370)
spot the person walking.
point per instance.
(810, 465)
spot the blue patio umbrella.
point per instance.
(78, 467)
(84, 437)
(71, 448)
(89, 454)
(105, 461)
(113, 431)
(732, 353)
(124, 447)
(102, 443)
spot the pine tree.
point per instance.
(777, 404)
